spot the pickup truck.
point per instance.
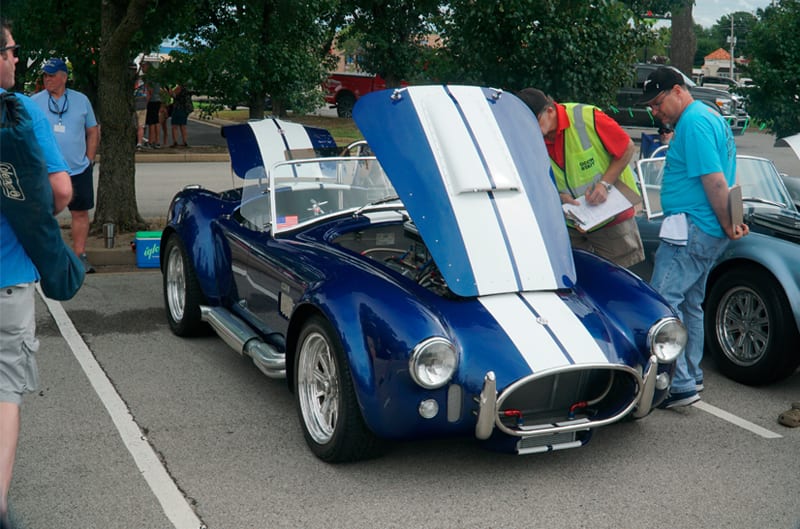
(342, 90)
(628, 112)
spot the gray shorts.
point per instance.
(18, 343)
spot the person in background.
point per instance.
(140, 107)
(699, 169)
(75, 127)
(181, 108)
(18, 275)
(152, 119)
(589, 152)
(165, 112)
(665, 134)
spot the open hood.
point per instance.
(471, 167)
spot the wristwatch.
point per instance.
(606, 185)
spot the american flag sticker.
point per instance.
(288, 220)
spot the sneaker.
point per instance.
(698, 385)
(677, 400)
(87, 266)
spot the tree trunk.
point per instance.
(116, 190)
(684, 41)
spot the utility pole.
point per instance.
(732, 40)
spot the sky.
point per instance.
(708, 12)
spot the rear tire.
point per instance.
(749, 328)
(182, 294)
(344, 105)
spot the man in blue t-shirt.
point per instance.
(77, 133)
(18, 373)
(699, 169)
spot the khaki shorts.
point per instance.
(619, 243)
(141, 115)
(18, 343)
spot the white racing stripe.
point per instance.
(736, 420)
(580, 345)
(519, 220)
(500, 250)
(164, 488)
(531, 336)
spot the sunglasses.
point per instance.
(13, 49)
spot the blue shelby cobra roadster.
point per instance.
(427, 291)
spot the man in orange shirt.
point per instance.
(589, 152)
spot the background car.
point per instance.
(629, 112)
(752, 305)
(720, 83)
(428, 292)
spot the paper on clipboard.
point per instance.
(588, 216)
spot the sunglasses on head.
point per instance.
(13, 49)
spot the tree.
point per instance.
(240, 53)
(775, 68)
(100, 39)
(392, 34)
(684, 41)
(571, 49)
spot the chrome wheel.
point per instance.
(175, 283)
(749, 327)
(743, 326)
(318, 387)
(182, 294)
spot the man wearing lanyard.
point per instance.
(75, 128)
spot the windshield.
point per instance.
(758, 177)
(300, 191)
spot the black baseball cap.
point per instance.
(664, 78)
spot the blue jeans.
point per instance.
(680, 275)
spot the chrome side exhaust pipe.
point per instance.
(241, 338)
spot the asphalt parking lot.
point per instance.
(134, 427)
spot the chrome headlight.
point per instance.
(433, 362)
(667, 339)
(725, 106)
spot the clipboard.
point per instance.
(587, 216)
(736, 205)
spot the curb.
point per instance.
(181, 157)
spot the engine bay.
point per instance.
(401, 248)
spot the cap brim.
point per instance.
(646, 98)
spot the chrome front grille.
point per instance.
(568, 399)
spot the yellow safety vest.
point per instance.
(585, 160)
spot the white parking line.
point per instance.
(738, 421)
(171, 499)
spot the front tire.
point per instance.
(749, 328)
(182, 294)
(326, 402)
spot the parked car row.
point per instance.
(429, 290)
(629, 112)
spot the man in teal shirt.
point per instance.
(699, 169)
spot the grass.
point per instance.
(343, 130)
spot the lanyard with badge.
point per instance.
(52, 105)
